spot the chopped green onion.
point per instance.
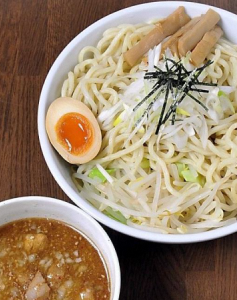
(95, 173)
(115, 215)
(188, 175)
(181, 167)
(221, 93)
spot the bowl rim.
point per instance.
(57, 202)
(75, 197)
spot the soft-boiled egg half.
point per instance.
(73, 130)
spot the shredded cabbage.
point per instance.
(189, 174)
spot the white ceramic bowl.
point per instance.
(66, 62)
(43, 207)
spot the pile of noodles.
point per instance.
(155, 198)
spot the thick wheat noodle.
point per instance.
(168, 204)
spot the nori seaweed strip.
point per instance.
(205, 83)
(173, 107)
(145, 112)
(196, 100)
(149, 107)
(163, 107)
(173, 117)
(198, 90)
(179, 82)
(158, 85)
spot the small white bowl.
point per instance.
(43, 207)
(66, 62)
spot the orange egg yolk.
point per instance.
(75, 133)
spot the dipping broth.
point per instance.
(43, 259)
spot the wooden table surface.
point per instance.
(32, 34)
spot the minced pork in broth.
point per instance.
(43, 259)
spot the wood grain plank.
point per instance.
(33, 32)
(202, 285)
(10, 12)
(67, 23)
(169, 262)
(5, 153)
(6, 81)
(150, 270)
(226, 267)
(21, 143)
(207, 253)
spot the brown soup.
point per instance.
(43, 259)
